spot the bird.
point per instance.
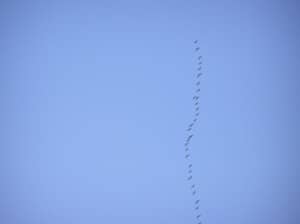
(198, 216)
(197, 48)
(187, 156)
(190, 177)
(196, 202)
(195, 41)
(194, 192)
(190, 165)
(197, 207)
(199, 74)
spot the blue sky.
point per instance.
(96, 97)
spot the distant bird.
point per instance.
(190, 171)
(199, 74)
(190, 177)
(198, 83)
(197, 114)
(198, 216)
(190, 165)
(199, 57)
(194, 192)
(187, 156)
(198, 90)
(199, 68)
(197, 208)
(196, 202)
(195, 41)
(196, 97)
(197, 48)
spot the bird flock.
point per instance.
(190, 135)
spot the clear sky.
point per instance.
(96, 97)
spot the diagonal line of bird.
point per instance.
(190, 135)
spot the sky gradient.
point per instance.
(96, 96)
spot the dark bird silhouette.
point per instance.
(196, 202)
(197, 48)
(190, 177)
(195, 41)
